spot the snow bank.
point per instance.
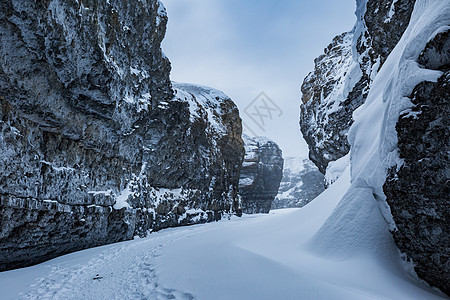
(356, 228)
(336, 168)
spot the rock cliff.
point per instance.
(301, 183)
(418, 192)
(343, 75)
(260, 175)
(97, 144)
(399, 141)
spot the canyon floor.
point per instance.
(274, 256)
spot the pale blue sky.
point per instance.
(247, 47)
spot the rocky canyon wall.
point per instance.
(397, 55)
(97, 145)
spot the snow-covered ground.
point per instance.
(275, 256)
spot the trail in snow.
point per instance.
(254, 257)
(124, 271)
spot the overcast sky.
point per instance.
(245, 47)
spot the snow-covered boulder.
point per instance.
(261, 174)
(96, 146)
(301, 183)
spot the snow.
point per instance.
(360, 224)
(50, 201)
(261, 139)
(346, 77)
(391, 12)
(249, 163)
(129, 99)
(336, 168)
(121, 200)
(277, 256)
(373, 136)
(106, 193)
(135, 71)
(295, 165)
(410, 114)
(162, 13)
(202, 100)
(246, 181)
(58, 169)
(195, 215)
(289, 193)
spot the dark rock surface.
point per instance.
(418, 193)
(261, 174)
(301, 183)
(342, 76)
(97, 146)
(320, 128)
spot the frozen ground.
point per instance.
(275, 256)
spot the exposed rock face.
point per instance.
(417, 189)
(418, 193)
(96, 145)
(261, 174)
(342, 76)
(301, 183)
(323, 121)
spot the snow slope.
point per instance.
(253, 257)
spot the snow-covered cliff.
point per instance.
(96, 146)
(398, 139)
(343, 75)
(301, 183)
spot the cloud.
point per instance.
(247, 47)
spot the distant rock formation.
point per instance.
(416, 187)
(96, 145)
(261, 174)
(301, 183)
